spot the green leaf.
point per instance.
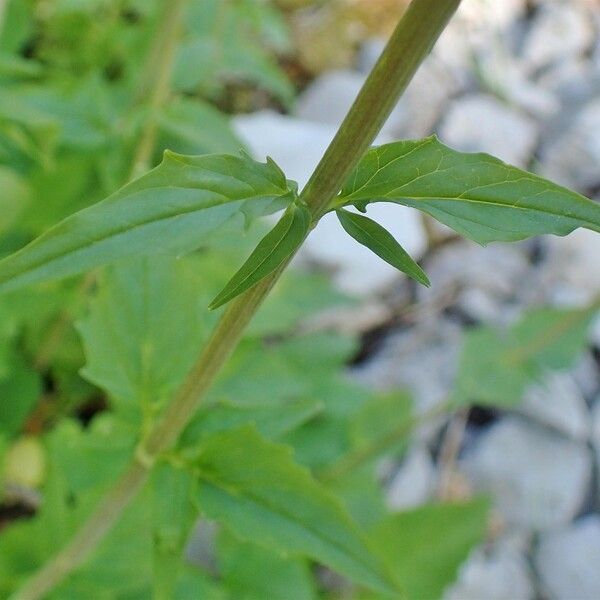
(252, 572)
(143, 329)
(496, 366)
(381, 242)
(172, 208)
(14, 198)
(254, 487)
(173, 517)
(272, 420)
(477, 195)
(272, 251)
(426, 546)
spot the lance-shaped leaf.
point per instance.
(278, 245)
(172, 208)
(255, 488)
(372, 235)
(477, 195)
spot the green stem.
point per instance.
(156, 82)
(414, 36)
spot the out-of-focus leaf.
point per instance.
(20, 390)
(426, 546)
(496, 366)
(143, 331)
(272, 420)
(254, 488)
(252, 572)
(172, 518)
(477, 195)
(14, 197)
(170, 209)
(194, 127)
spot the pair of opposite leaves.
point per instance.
(174, 206)
(289, 233)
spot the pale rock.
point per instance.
(329, 97)
(297, 145)
(557, 401)
(573, 264)
(596, 425)
(558, 32)
(481, 280)
(585, 372)
(506, 75)
(486, 13)
(481, 123)
(573, 80)
(567, 561)
(498, 573)
(422, 360)
(572, 158)
(424, 101)
(537, 479)
(414, 482)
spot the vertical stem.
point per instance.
(414, 36)
(156, 82)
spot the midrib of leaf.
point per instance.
(261, 502)
(124, 229)
(267, 255)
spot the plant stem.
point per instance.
(414, 36)
(156, 82)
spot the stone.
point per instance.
(329, 97)
(424, 101)
(414, 482)
(558, 32)
(480, 280)
(295, 144)
(572, 157)
(506, 75)
(498, 573)
(567, 560)
(481, 123)
(557, 401)
(573, 267)
(537, 479)
(423, 360)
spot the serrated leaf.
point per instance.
(427, 545)
(278, 245)
(172, 208)
(255, 489)
(477, 195)
(380, 241)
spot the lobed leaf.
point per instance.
(272, 251)
(170, 209)
(256, 489)
(372, 235)
(477, 195)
